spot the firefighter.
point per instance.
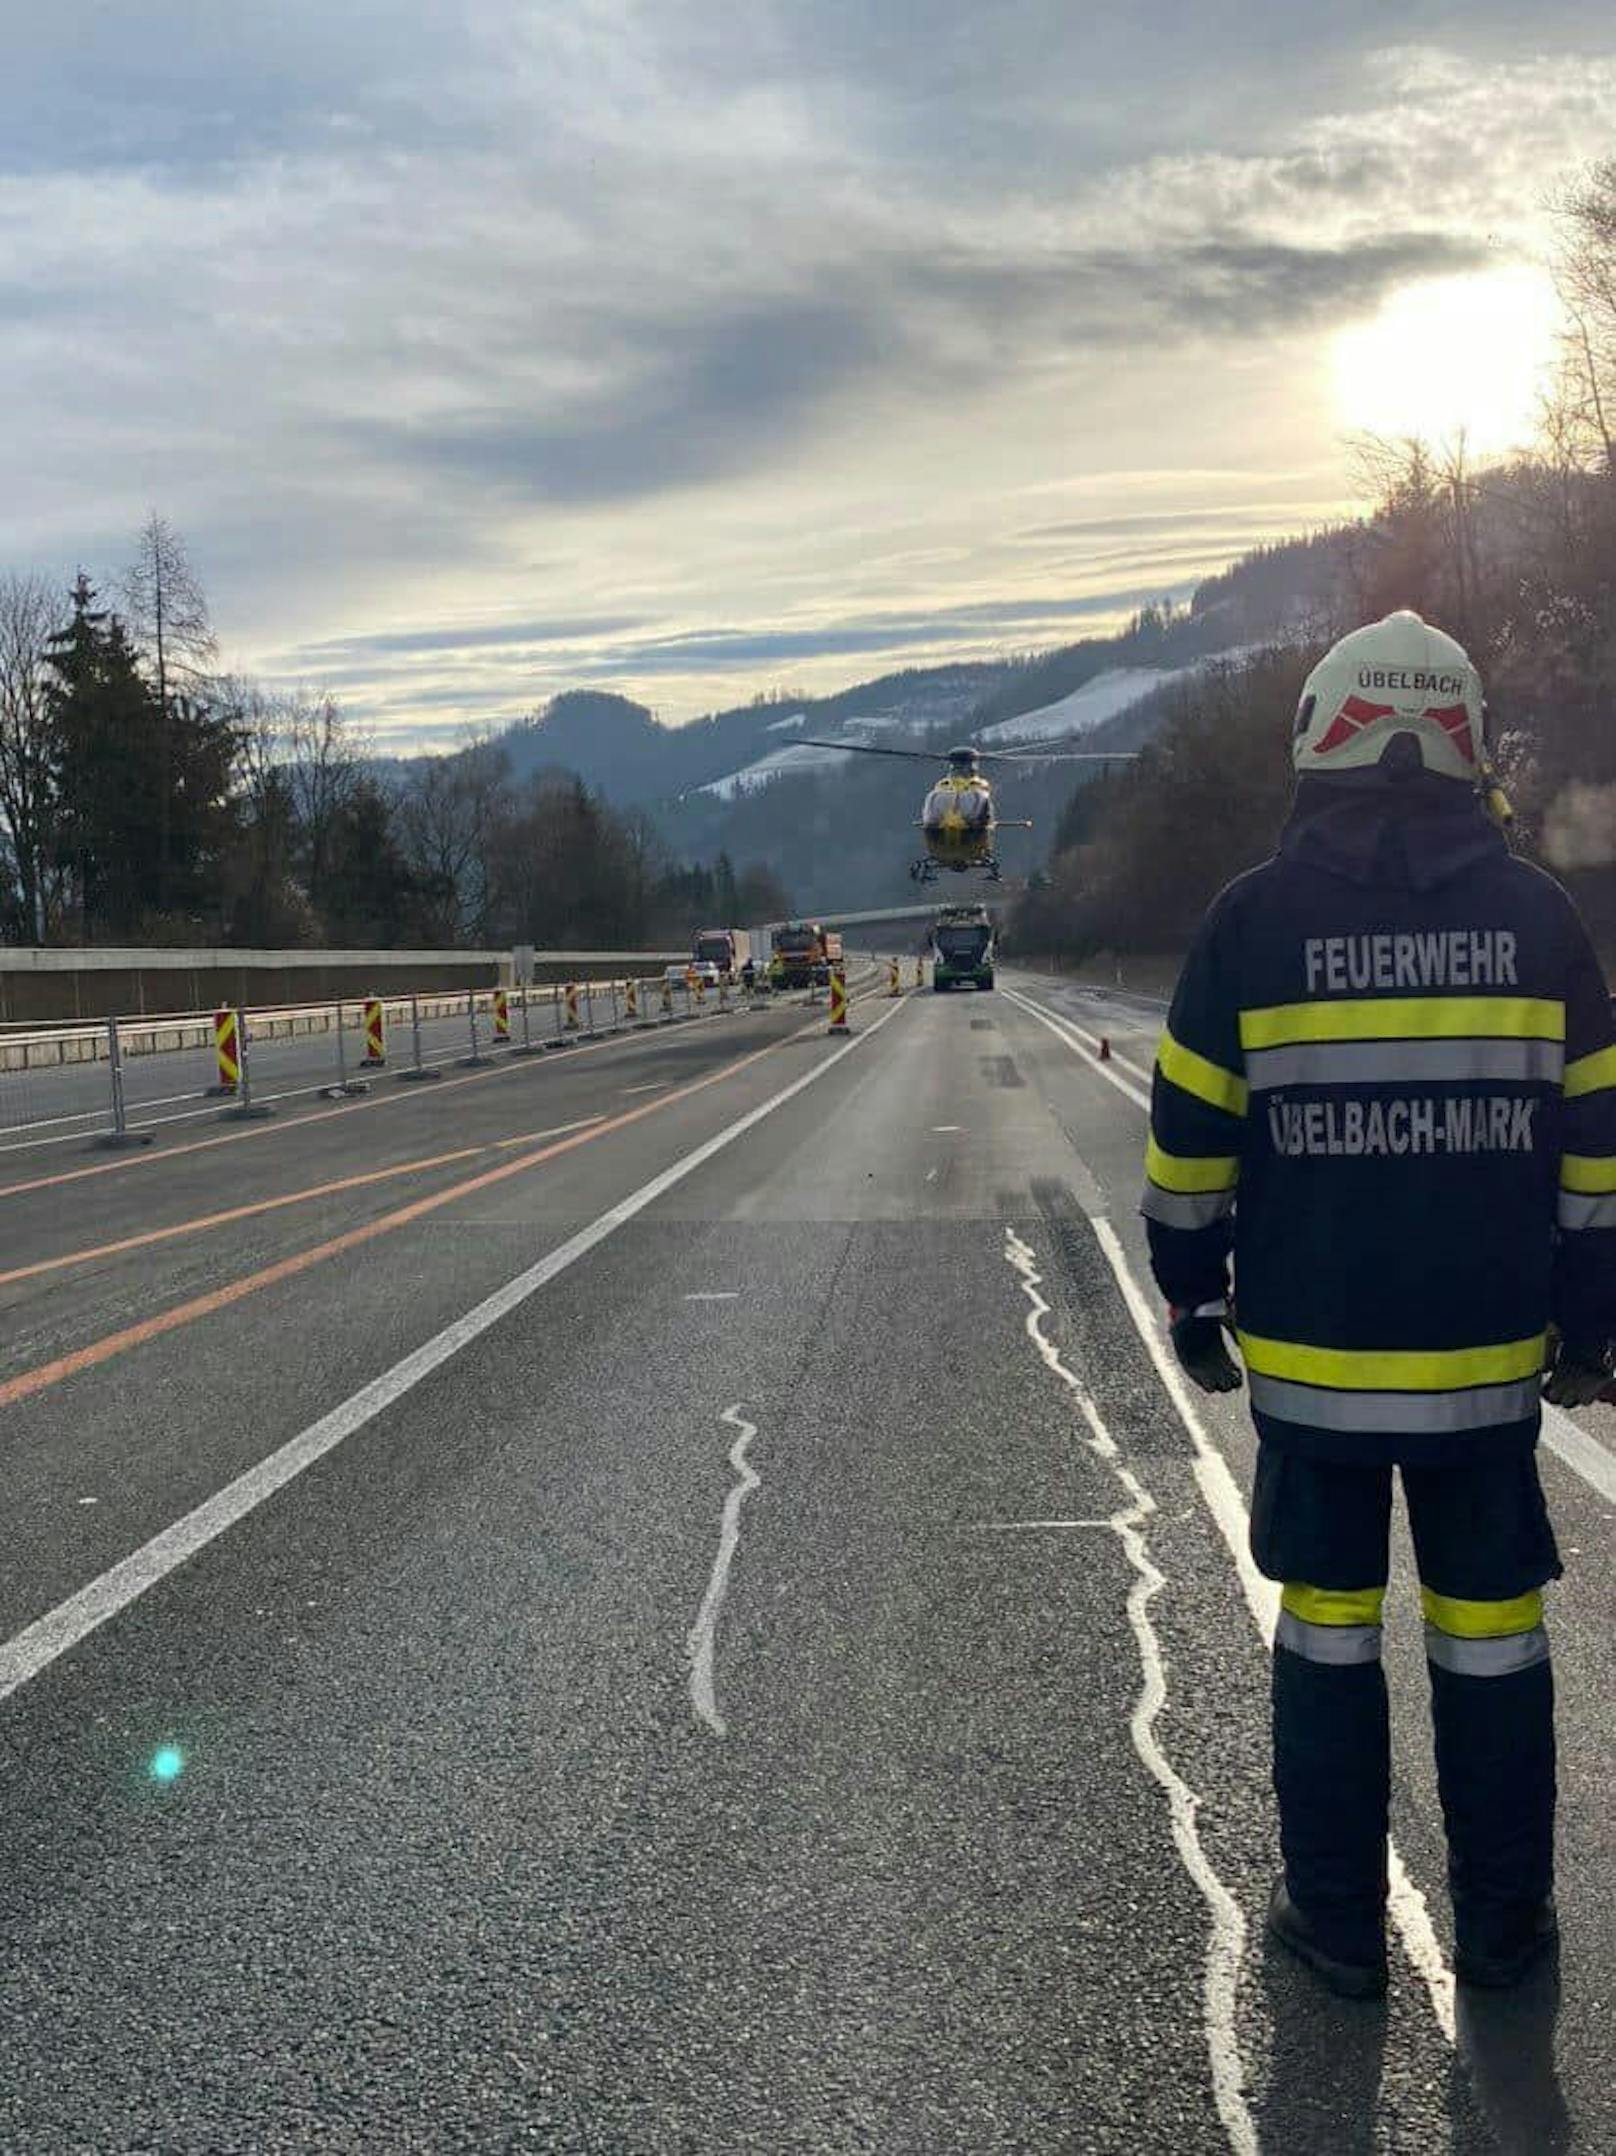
(1387, 1093)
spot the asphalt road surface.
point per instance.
(660, 1598)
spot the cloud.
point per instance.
(471, 346)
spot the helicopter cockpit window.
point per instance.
(968, 803)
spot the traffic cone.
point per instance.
(572, 1007)
(375, 1055)
(502, 1015)
(894, 979)
(1105, 1049)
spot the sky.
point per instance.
(484, 350)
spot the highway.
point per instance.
(665, 1597)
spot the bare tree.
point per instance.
(1585, 274)
(167, 616)
(449, 816)
(28, 613)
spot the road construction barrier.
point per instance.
(920, 973)
(502, 1014)
(631, 1002)
(227, 1052)
(572, 1006)
(375, 1033)
(418, 1072)
(245, 1109)
(667, 997)
(701, 992)
(723, 991)
(476, 1061)
(894, 978)
(838, 1003)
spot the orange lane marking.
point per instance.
(327, 1115)
(235, 1212)
(42, 1378)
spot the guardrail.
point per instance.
(115, 1082)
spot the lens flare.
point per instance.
(167, 1764)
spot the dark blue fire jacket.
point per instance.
(1388, 1089)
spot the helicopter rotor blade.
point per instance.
(859, 748)
(1058, 756)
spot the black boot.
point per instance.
(1347, 1979)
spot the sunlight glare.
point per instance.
(1464, 355)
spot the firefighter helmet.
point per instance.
(1397, 676)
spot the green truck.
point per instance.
(962, 948)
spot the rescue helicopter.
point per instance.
(957, 823)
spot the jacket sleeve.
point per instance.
(1197, 1122)
(1585, 1256)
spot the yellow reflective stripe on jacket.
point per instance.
(1191, 1172)
(1590, 1074)
(1405, 1018)
(1482, 1620)
(1333, 1606)
(1395, 1369)
(1590, 1175)
(1207, 1081)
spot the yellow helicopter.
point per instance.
(957, 823)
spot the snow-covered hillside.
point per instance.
(1105, 697)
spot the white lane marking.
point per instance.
(1226, 1946)
(1091, 1039)
(1407, 1906)
(703, 1632)
(652, 1085)
(714, 1295)
(931, 1175)
(1581, 1452)
(561, 1130)
(51, 1636)
(1072, 1037)
(944, 1130)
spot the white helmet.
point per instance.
(1398, 676)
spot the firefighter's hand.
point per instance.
(1199, 1345)
(1578, 1376)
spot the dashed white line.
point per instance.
(703, 1633)
(713, 1295)
(1226, 1946)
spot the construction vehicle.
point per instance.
(962, 940)
(797, 957)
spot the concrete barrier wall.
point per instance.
(42, 987)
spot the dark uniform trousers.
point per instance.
(1484, 1549)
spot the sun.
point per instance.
(1466, 355)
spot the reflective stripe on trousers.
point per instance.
(1484, 1639)
(1328, 1625)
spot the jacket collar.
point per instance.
(1410, 831)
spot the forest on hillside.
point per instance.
(1517, 560)
(146, 798)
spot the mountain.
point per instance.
(837, 828)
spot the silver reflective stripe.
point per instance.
(1335, 1643)
(1186, 1209)
(1402, 1062)
(1487, 1657)
(1476, 1407)
(1577, 1211)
